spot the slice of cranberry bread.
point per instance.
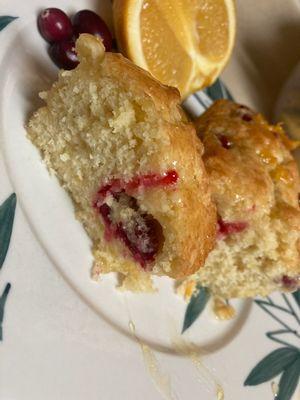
(122, 147)
(255, 185)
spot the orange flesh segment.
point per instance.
(212, 28)
(183, 43)
(172, 66)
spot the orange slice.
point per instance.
(182, 43)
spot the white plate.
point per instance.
(66, 337)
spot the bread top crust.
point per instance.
(114, 65)
(257, 168)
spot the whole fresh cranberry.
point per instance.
(64, 54)
(86, 21)
(54, 25)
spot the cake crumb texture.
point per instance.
(255, 185)
(109, 119)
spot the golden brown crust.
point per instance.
(258, 155)
(166, 98)
(196, 216)
(115, 66)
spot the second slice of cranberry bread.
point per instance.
(121, 145)
(255, 185)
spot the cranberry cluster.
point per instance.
(143, 234)
(143, 237)
(61, 32)
(225, 228)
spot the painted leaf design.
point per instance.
(5, 20)
(218, 91)
(296, 296)
(289, 381)
(195, 307)
(3, 299)
(7, 214)
(272, 365)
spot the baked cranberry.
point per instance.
(64, 55)
(226, 142)
(290, 283)
(86, 21)
(169, 178)
(143, 236)
(247, 117)
(152, 180)
(245, 113)
(105, 211)
(143, 240)
(54, 25)
(228, 228)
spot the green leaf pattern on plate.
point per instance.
(272, 365)
(296, 296)
(289, 381)
(195, 307)
(7, 214)
(5, 20)
(286, 360)
(3, 299)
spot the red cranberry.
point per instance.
(143, 239)
(228, 228)
(245, 113)
(87, 21)
(106, 190)
(226, 142)
(54, 25)
(290, 283)
(105, 210)
(247, 117)
(64, 54)
(169, 178)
